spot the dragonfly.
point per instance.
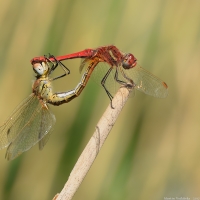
(32, 121)
(114, 68)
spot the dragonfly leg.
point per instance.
(55, 65)
(117, 78)
(130, 83)
(103, 81)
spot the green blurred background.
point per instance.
(153, 150)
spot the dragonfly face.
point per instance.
(40, 68)
(129, 61)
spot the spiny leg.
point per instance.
(60, 63)
(117, 78)
(131, 83)
(55, 65)
(128, 85)
(103, 81)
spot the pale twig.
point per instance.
(91, 150)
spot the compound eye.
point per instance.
(125, 64)
(129, 61)
(38, 68)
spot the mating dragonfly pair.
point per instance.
(32, 122)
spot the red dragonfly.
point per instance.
(32, 121)
(120, 67)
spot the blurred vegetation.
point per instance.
(153, 150)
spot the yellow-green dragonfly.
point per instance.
(32, 121)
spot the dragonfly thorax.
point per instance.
(42, 88)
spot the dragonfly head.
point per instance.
(40, 68)
(129, 61)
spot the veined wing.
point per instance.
(147, 82)
(144, 80)
(30, 122)
(9, 130)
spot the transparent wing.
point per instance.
(98, 74)
(147, 82)
(144, 80)
(10, 129)
(46, 126)
(30, 122)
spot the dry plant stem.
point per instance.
(90, 152)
